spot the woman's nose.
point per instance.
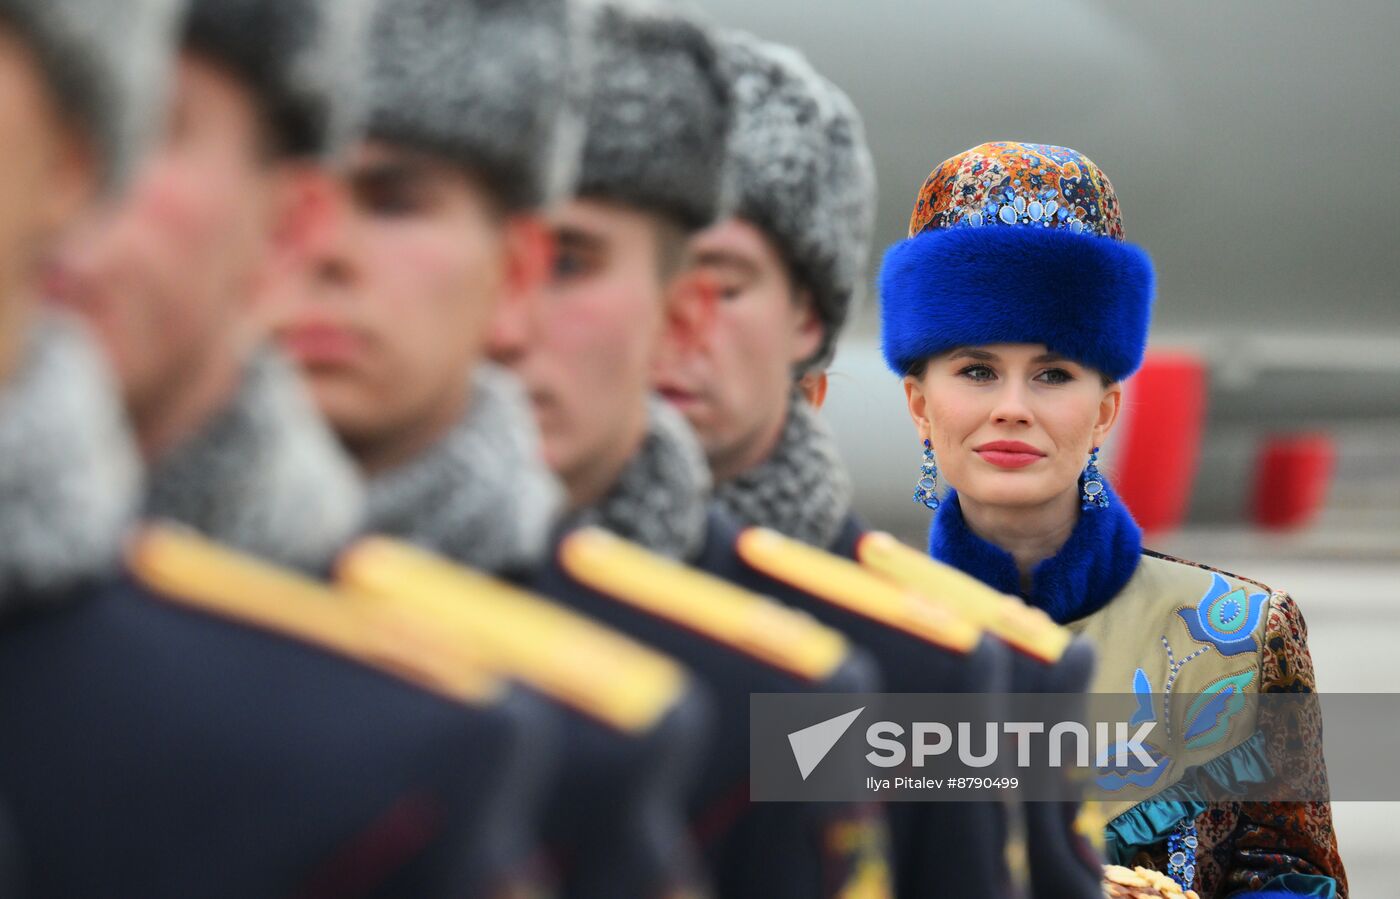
(1011, 406)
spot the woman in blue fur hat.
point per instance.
(1013, 312)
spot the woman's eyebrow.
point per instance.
(974, 354)
(1044, 358)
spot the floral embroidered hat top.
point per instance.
(1009, 183)
(1016, 242)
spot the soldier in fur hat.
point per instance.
(149, 742)
(167, 277)
(653, 174)
(473, 126)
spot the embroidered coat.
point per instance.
(1161, 626)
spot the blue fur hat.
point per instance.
(1017, 243)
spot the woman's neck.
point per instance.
(1031, 534)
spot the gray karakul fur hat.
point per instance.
(302, 59)
(660, 114)
(802, 172)
(108, 63)
(498, 86)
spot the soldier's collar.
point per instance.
(802, 490)
(70, 476)
(265, 475)
(483, 496)
(662, 496)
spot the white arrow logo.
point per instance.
(811, 744)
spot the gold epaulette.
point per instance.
(561, 653)
(746, 622)
(1020, 626)
(843, 583)
(183, 568)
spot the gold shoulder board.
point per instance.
(559, 652)
(744, 621)
(183, 568)
(843, 583)
(1020, 626)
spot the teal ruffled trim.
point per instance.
(1300, 885)
(1149, 822)
(1146, 824)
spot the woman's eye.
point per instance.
(977, 373)
(1055, 376)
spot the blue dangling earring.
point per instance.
(926, 491)
(1094, 494)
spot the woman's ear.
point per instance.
(1109, 407)
(918, 403)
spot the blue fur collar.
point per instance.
(1092, 568)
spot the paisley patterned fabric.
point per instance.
(1012, 183)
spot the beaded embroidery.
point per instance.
(1181, 853)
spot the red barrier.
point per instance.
(1293, 475)
(1160, 443)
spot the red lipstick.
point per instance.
(1009, 453)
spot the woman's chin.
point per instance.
(1010, 490)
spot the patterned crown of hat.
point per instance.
(1011, 183)
(1017, 243)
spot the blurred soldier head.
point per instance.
(473, 125)
(788, 263)
(73, 109)
(652, 175)
(167, 275)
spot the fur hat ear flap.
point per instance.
(108, 63)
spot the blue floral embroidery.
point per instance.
(1225, 617)
(1142, 690)
(1208, 718)
(1133, 773)
(1012, 208)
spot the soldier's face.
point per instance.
(586, 355)
(165, 275)
(45, 174)
(394, 312)
(733, 383)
